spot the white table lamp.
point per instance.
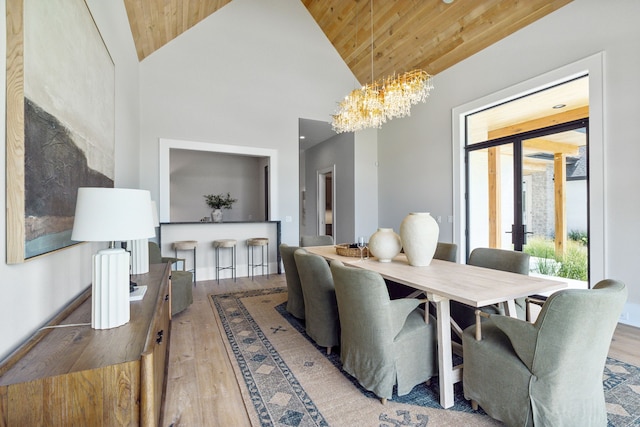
(110, 215)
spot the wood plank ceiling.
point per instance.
(407, 34)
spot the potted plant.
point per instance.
(217, 202)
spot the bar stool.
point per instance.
(187, 245)
(225, 244)
(252, 244)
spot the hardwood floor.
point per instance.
(201, 386)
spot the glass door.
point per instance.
(528, 192)
(555, 205)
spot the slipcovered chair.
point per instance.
(548, 373)
(295, 300)
(497, 259)
(320, 306)
(316, 241)
(181, 281)
(446, 252)
(383, 342)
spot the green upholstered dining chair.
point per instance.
(320, 305)
(497, 259)
(446, 252)
(548, 373)
(295, 300)
(383, 342)
(181, 281)
(316, 241)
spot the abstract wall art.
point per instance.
(60, 121)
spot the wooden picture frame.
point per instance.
(60, 121)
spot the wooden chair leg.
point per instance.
(474, 405)
(328, 351)
(383, 400)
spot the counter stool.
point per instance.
(187, 245)
(252, 244)
(225, 244)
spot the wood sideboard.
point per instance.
(79, 376)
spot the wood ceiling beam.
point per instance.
(543, 122)
(551, 147)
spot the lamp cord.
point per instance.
(64, 326)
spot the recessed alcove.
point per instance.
(190, 169)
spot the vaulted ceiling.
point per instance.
(407, 34)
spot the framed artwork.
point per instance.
(60, 121)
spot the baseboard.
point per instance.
(631, 315)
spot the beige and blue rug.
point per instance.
(286, 380)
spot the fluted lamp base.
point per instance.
(139, 256)
(110, 289)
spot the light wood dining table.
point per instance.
(442, 281)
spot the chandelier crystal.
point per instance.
(375, 103)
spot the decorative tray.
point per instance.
(351, 249)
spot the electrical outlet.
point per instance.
(439, 219)
(624, 316)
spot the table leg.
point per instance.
(445, 356)
(510, 308)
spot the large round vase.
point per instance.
(419, 233)
(385, 244)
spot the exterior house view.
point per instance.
(246, 80)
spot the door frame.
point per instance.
(591, 66)
(321, 175)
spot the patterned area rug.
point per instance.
(289, 381)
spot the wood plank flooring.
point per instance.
(201, 386)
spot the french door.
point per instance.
(530, 188)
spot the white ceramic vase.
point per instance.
(385, 244)
(216, 215)
(419, 233)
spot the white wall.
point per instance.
(416, 153)
(35, 291)
(243, 76)
(337, 151)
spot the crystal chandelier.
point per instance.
(373, 104)
(381, 100)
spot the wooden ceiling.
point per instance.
(407, 34)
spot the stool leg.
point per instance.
(217, 265)
(233, 262)
(249, 262)
(194, 266)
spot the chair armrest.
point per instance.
(522, 335)
(173, 260)
(479, 314)
(399, 310)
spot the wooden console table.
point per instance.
(77, 375)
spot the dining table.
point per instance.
(444, 281)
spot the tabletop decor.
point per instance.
(351, 250)
(385, 244)
(419, 233)
(111, 215)
(217, 202)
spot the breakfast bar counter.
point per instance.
(206, 232)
